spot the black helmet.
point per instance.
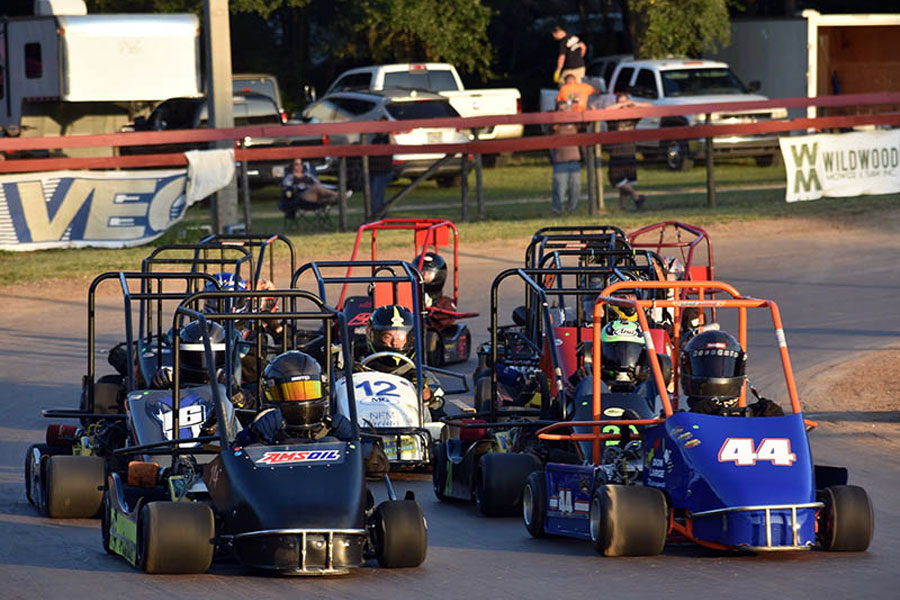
(193, 355)
(712, 367)
(293, 383)
(390, 328)
(434, 272)
(622, 353)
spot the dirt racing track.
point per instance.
(837, 289)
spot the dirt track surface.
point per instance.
(837, 288)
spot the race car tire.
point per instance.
(847, 521)
(33, 480)
(439, 472)
(73, 486)
(500, 480)
(628, 520)
(434, 348)
(534, 504)
(105, 523)
(401, 535)
(483, 394)
(176, 537)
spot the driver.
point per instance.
(712, 367)
(390, 329)
(295, 407)
(434, 276)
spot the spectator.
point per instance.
(575, 93)
(571, 56)
(381, 174)
(302, 186)
(622, 159)
(566, 168)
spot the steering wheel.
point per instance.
(364, 363)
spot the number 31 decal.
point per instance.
(740, 451)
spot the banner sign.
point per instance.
(842, 164)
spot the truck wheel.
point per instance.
(448, 181)
(72, 484)
(439, 472)
(847, 521)
(176, 537)
(675, 154)
(534, 504)
(500, 480)
(766, 160)
(401, 536)
(628, 520)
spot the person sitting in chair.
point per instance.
(301, 186)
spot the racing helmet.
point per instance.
(390, 329)
(712, 367)
(434, 272)
(623, 313)
(293, 382)
(193, 353)
(675, 270)
(622, 352)
(225, 282)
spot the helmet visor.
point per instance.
(716, 362)
(393, 339)
(296, 391)
(622, 355)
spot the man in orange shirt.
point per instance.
(575, 92)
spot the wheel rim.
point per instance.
(595, 519)
(528, 506)
(673, 153)
(34, 479)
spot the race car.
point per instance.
(736, 478)
(447, 338)
(198, 485)
(398, 397)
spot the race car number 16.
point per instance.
(741, 452)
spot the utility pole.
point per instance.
(224, 206)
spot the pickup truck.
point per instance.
(440, 78)
(671, 82)
(192, 113)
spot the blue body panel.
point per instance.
(706, 462)
(569, 490)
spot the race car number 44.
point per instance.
(744, 453)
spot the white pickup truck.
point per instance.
(672, 82)
(440, 78)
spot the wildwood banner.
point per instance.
(842, 164)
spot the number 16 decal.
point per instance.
(740, 451)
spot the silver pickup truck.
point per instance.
(672, 82)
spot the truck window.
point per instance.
(353, 107)
(700, 82)
(325, 111)
(433, 81)
(34, 67)
(257, 85)
(353, 81)
(421, 109)
(645, 85)
(623, 79)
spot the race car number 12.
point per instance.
(741, 452)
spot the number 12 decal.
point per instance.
(740, 451)
(386, 388)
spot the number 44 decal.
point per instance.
(741, 452)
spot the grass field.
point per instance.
(517, 201)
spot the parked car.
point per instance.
(395, 105)
(673, 82)
(192, 113)
(602, 67)
(259, 83)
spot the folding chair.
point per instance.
(296, 211)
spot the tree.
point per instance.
(679, 27)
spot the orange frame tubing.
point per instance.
(430, 226)
(737, 301)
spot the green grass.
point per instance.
(517, 201)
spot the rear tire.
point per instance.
(483, 393)
(628, 520)
(176, 537)
(33, 480)
(847, 521)
(439, 472)
(105, 523)
(401, 536)
(73, 486)
(434, 348)
(499, 482)
(534, 504)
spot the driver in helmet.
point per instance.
(391, 329)
(624, 362)
(712, 368)
(295, 407)
(434, 276)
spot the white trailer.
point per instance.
(64, 74)
(817, 55)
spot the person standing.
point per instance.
(381, 173)
(570, 58)
(575, 92)
(566, 168)
(622, 156)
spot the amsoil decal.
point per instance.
(299, 456)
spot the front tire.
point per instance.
(628, 520)
(500, 480)
(176, 537)
(73, 486)
(847, 522)
(401, 536)
(534, 504)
